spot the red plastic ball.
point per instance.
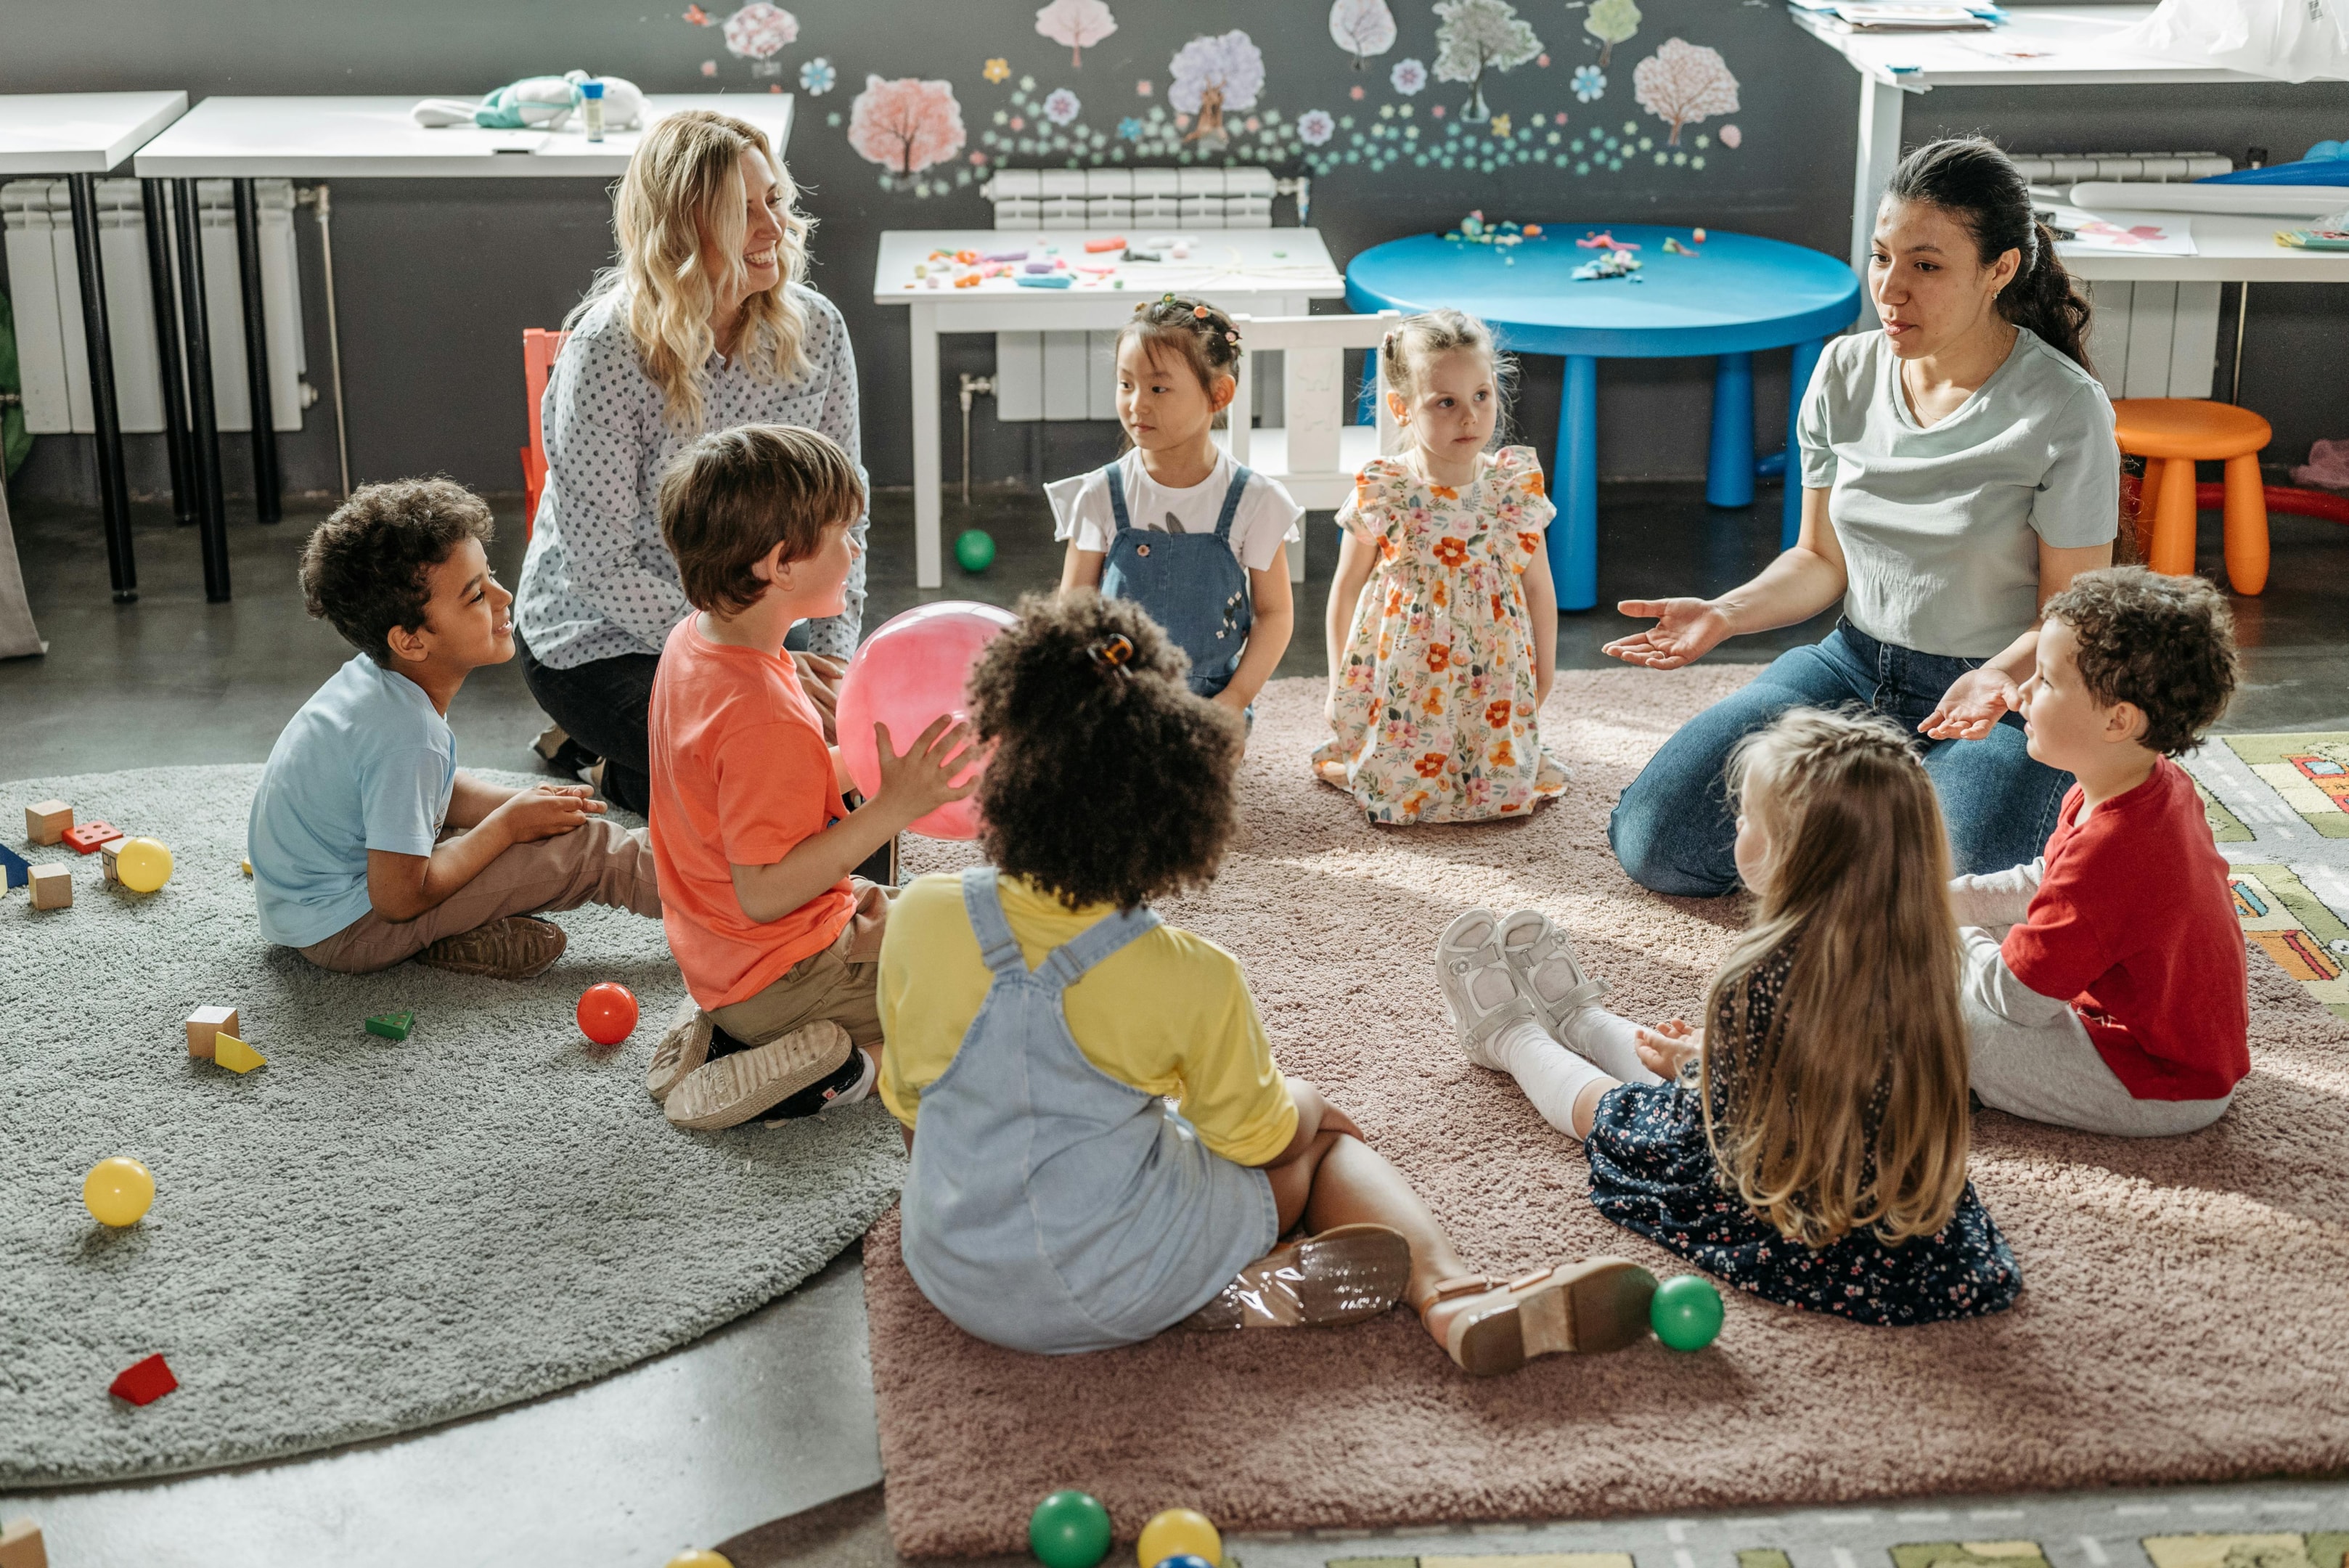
(607, 1014)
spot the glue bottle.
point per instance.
(591, 108)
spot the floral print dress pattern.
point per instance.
(1433, 715)
(1652, 1171)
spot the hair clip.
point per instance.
(1232, 338)
(1113, 652)
(1200, 311)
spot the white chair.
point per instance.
(1317, 453)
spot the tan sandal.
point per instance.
(1587, 1308)
(1345, 1274)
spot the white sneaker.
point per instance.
(1547, 969)
(1481, 991)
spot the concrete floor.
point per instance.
(761, 1437)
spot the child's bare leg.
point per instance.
(1341, 1180)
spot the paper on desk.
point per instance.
(2115, 233)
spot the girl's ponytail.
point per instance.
(1971, 179)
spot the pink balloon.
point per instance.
(907, 673)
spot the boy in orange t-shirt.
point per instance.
(779, 943)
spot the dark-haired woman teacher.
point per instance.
(1957, 468)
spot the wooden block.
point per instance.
(52, 887)
(391, 1025)
(234, 1055)
(90, 835)
(14, 869)
(45, 821)
(204, 1023)
(109, 856)
(20, 1545)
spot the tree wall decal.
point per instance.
(1477, 36)
(906, 125)
(1681, 83)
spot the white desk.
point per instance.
(82, 135)
(2226, 250)
(1262, 271)
(376, 138)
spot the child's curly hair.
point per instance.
(366, 570)
(2165, 644)
(1109, 782)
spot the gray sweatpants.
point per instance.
(2032, 1056)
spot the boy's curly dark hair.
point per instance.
(1109, 782)
(364, 570)
(2166, 645)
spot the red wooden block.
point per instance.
(143, 1382)
(88, 835)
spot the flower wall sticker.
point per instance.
(1731, 138)
(1213, 74)
(1478, 35)
(1362, 28)
(1315, 128)
(1589, 83)
(1682, 83)
(1611, 22)
(1062, 107)
(758, 33)
(1076, 23)
(1408, 77)
(817, 77)
(997, 70)
(906, 125)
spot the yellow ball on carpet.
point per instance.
(143, 864)
(1176, 1532)
(700, 1560)
(118, 1191)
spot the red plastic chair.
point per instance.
(540, 346)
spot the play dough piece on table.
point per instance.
(206, 1022)
(236, 1055)
(143, 1382)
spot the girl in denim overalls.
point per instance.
(1174, 524)
(1040, 1019)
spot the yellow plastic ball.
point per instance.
(1176, 1532)
(143, 864)
(700, 1560)
(118, 1191)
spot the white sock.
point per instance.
(1552, 1076)
(1610, 1041)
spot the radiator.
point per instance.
(45, 287)
(2070, 168)
(2152, 339)
(1073, 375)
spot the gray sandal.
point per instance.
(1482, 990)
(1548, 974)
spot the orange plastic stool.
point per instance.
(540, 346)
(2171, 434)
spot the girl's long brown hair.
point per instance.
(1857, 884)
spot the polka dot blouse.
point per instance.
(598, 582)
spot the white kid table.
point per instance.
(1260, 272)
(359, 137)
(82, 135)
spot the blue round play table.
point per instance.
(1737, 294)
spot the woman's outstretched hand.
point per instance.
(1972, 706)
(1685, 632)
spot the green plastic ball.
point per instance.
(1069, 1529)
(1685, 1312)
(974, 550)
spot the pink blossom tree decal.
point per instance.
(1076, 23)
(1362, 28)
(1681, 83)
(758, 32)
(1212, 75)
(906, 125)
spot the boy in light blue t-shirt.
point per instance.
(368, 844)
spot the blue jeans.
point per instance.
(1674, 830)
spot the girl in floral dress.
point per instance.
(1809, 1146)
(1443, 619)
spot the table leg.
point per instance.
(1879, 155)
(929, 568)
(204, 428)
(1729, 463)
(257, 355)
(154, 195)
(113, 492)
(1790, 516)
(1574, 485)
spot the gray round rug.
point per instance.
(363, 1236)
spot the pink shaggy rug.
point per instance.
(2184, 1310)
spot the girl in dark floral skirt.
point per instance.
(1809, 1146)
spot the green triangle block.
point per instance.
(392, 1025)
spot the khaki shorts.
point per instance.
(841, 983)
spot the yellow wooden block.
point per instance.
(248, 867)
(236, 1055)
(52, 887)
(204, 1024)
(45, 821)
(20, 1545)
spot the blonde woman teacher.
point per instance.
(1958, 470)
(705, 324)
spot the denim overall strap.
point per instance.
(1066, 964)
(1240, 477)
(1117, 498)
(984, 904)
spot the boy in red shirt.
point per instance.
(2118, 1002)
(779, 944)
